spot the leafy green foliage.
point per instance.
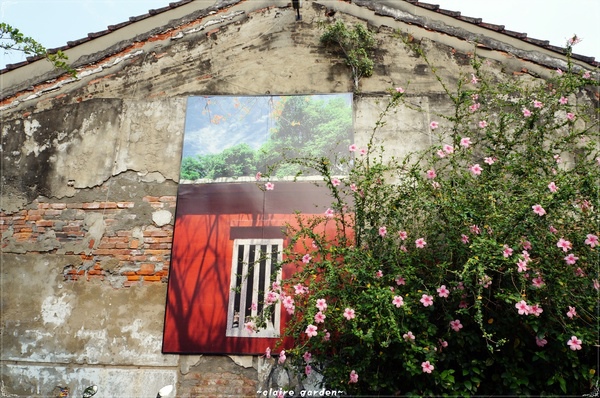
(11, 39)
(356, 45)
(471, 268)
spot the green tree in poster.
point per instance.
(307, 128)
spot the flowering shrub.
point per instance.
(468, 268)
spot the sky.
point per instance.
(54, 22)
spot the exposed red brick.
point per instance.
(108, 205)
(125, 205)
(151, 198)
(134, 244)
(133, 277)
(58, 206)
(93, 205)
(168, 198)
(146, 269)
(44, 223)
(152, 278)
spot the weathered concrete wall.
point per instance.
(89, 181)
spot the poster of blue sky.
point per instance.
(229, 137)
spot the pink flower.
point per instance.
(596, 284)
(272, 297)
(476, 169)
(399, 90)
(382, 231)
(379, 274)
(441, 153)
(353, 377)
(420, 243)
(482, 124)
(408, 336)
(559, 72)
(362, 151)
(320, 317)
(490, 160)
(258, 176)
(282, 357)
(307, 356)
(349, 314)
(591, 240)
(526, 245)
(329, 213)
(526, 112)
(572, 312)
(353, 187)
(352, 148)
(444, 343)
(574, 343)
(400, 281)
(563, 100)
(434, 125)
(537, 104)
(587, 74)
(574, 40)
(522, 265)
(288, 302)
(474, 229)
(253, 306)
(443, 291)
(269, 186)
(431, 174)
(456, 325)
(268, 352)
(557, 158)
(474, 107)
(539, 210)
(571, 259)
(464, 238)
(540, 341)
(307, 370)
(570, 116)
(537, 282)
(507, 252)
(449, 149)
(299, 289)
(522, 307)
(426, 300)
(398, 301)
(427, 367)
(321, 304)
(335, 182)
(474, 79)
(564, 244)
(311, 331)
(535, 309)
(552, 229)
(326, 335)
(465, 142)
(402, 235)
(552, 187)
(250, 327)
(306, 258)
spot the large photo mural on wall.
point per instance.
(235, 198)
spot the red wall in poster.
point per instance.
(213, 223)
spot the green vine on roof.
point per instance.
(11, 39)
(355, 44)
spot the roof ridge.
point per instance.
(428, 6)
